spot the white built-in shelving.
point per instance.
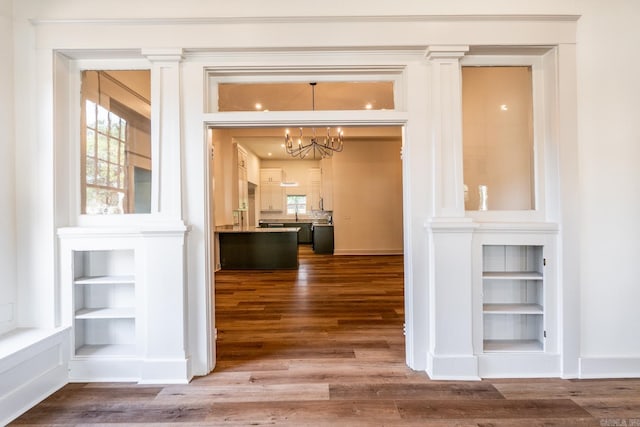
(119, 330)
(104, 295)
(513, 308)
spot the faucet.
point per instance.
(296, 215)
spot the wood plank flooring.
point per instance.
(323, 346)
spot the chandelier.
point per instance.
(323, 146)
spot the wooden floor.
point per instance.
(323, 346)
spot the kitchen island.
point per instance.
(304, 235)
(251, 248)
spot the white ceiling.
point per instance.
(262, 141)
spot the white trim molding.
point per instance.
(33, 365)
(454, 368)
(609, 367)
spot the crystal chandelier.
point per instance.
(323, 146)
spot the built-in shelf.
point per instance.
(512, 275)
(104, 304)
(106, 280)
(106, 313)
(107, 350)
(513, 298)
(497, 346)
(512, 309)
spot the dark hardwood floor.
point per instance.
(323, 346)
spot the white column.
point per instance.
(164, 318)
(450, 354)
(166, 131)
(446, 128)
(164, 322)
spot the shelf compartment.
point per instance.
(512, 309)
(512, 275)
(106, 280)
(104, 336)
(512, 346)
(106, 313)
(504, 326)
(107, 350)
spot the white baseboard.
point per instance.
(366, 252)
(165, 371)
(456, 368)
(609, 367)
(518, 365)
(104, 369)
(33, 371)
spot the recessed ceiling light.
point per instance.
(269, 154)
(504, 107)
(258, 106)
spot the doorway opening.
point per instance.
(342, 308)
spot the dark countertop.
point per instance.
(286, 221)
(238, 229)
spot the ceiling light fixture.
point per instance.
(323, 146)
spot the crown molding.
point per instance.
(305, 19)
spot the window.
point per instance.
(354, 95)
(116, 142)
(296, 204)
(105, 160)
(498, 137)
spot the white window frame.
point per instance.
(297, 205)
(540, 104)
(76, 103)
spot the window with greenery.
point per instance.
(105, 161)
(296, 204)
(116, 142)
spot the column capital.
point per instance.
(163, 54)
(446, 51)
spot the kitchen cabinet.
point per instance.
(258, 248)
(326, 167)
(241, 190)
(314, 199)
(271, 194)
(305, 234)
(323, 239)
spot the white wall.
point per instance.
(367, 198)
(608, 131)
(8, 284)
(609, 150)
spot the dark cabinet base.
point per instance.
(304, 235)
(259, 251)
(323, 239)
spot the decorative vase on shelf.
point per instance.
(483, 197)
